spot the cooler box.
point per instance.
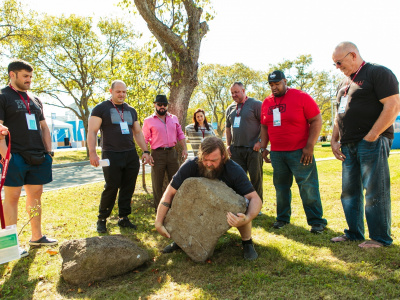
(396, 141)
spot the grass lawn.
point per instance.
(292, 263)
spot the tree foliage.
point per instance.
(213, 92)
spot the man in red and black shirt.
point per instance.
(291, 122)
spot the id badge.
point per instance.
(277, 117)
(343, 104)
(124, 127)
(236, 123)
(31, 121)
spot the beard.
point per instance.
(210, 172)
(161, 112)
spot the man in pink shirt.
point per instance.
(162, 130)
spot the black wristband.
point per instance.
(148, 152)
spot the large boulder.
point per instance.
(101, 257)
(197, 217)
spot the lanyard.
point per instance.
(22, 98)
(203, 130)
(3, 178)
(352, 80)
(120, 114)
(238, 110)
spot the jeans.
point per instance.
(286, 164)
(251, 161)
(366, 167)
(121, 174)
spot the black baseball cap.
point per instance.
(161, 99)
(276, 76)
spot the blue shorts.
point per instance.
(20, 173)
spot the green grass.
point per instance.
(292, 263)
(63, 157)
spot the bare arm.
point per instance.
(3, 134)
(182, 142)
(93, 128)
(162, 210)
(46, 137)
(139, 138)
(315, 129)
(335, 144)
(253, 209)
(391, 108)
(228, 134)
(264, 142)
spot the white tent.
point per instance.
(55, 126)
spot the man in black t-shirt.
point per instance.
(119, 127)
(213, 162)
(22, 113)
(368, 104)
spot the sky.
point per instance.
(260, 33)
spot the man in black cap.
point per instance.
(162, 130)
(291, 121)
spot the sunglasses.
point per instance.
(161, 105)
(339, 62)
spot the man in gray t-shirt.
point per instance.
(243, 134)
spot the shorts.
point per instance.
(20, 173)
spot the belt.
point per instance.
(164, 148)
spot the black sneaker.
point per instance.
(279, 224)
(249, 253)
(44, 241)
(124, 222)
(171, 248)
(101, 226)
(317, 228)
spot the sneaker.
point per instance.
(124, 222)
(171, 248)
(317, 228)
(44, 241)
(279, 224)
(249, 253)
(101, 226)
(23, 252)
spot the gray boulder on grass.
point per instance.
(197, 217)
(98, 258)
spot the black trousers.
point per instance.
(121, 174)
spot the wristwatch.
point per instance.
(262, 150)
(147, 152)
(51, 153)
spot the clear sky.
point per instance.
(260, 32)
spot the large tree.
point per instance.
(179, 27)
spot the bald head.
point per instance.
(347, 58)
(118, 91)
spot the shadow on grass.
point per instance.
(346, 251)
(17, 285)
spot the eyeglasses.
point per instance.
(339, 62)
(161, 105)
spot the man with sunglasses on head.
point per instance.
(291, 121)
(368, 103)
(120, 128)
(162, 130)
